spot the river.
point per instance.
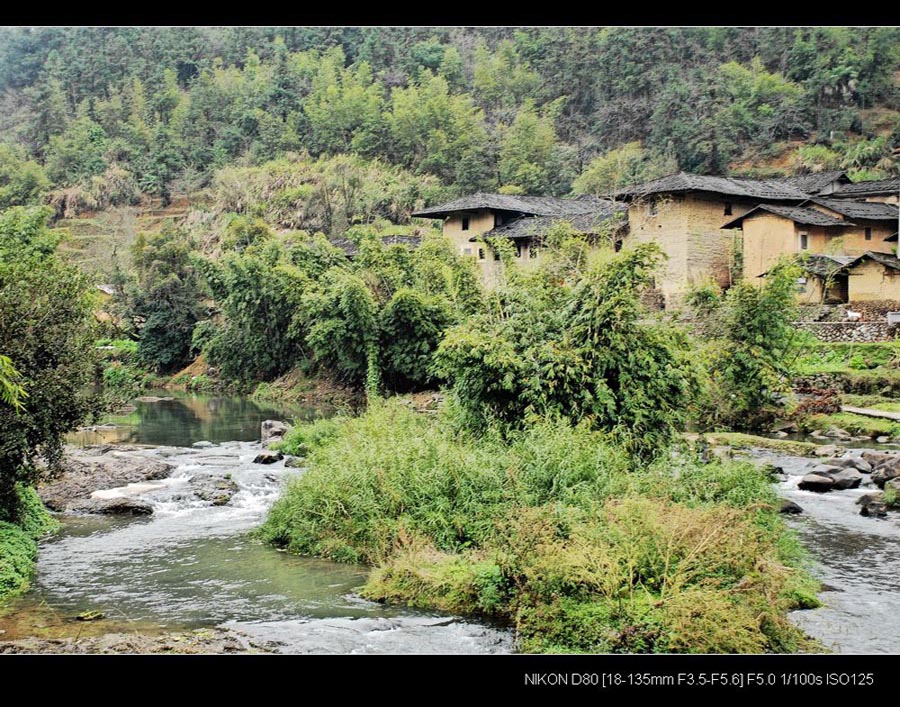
(192, 565)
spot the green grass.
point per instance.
(553, 530)
(877, 402)
(852, 423)
(835, 358)
(18, 546)
(740, 440)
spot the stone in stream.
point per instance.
(153, 399)
(790, 507)
(873, 505)
(294, 462)
(203, 444)
(838, 433)
(858, 463)
(119, 506)
(816, 482)
(217, 491)
(876, 456)
(273, 431)
(86, 470)
(883, 474)
(268, 457)
(846, 479)
(882, 439)
(781, 434)
(828, 450)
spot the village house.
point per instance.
(685, 214)
(471, 221)
(818, 226)
(710, 228)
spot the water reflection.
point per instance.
(189, 418)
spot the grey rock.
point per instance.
(825, 469)
(790, 507)
(781, 434)
(273, 430)
(883, 474)
(876, 457)
(203, 444)
(153, 399)
(847, 479)
(85, 470)
(882, 439)
(828, 450)
(216, 490)
(838, 433)
(857, 463)
(123, 506)
(294, 462)
(268, 457)
(816, 482)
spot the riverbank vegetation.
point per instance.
(555, 530)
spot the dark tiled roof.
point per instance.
(350, 248)
(796, 214)
(886, 259)
(815, 182)
(824, 265)
(866, 210)
(774, 189)
(531, 226)
(535, 205)
(872, 187)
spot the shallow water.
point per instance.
(192, 565)
(857, 559)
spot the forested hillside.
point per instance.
(105, 116)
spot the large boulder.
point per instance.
(846, 479)
(118, 506)
(857, 463)
(875, 457)
(273, 431)
(790, 507)
(873, 505)
(85, 470)
(883, 474)
(816, 482)
(837, 433)
(216, 490)
(828, 450)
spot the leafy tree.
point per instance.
(258, 290)
(629, 164)
(22, 181)
(79, 152)
(165, 301)
(529, 156)
(47, 337)
(751, 348)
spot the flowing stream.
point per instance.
(192, 565)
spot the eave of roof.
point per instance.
(762, 189)
(797, 214)
(862, 210)
(874, 187)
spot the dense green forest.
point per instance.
(104, 115)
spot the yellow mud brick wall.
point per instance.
(689, 230)
(873, 281)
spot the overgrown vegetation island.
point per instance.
(233, 209)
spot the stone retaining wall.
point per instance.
(850, 331)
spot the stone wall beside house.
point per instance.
(850, 332)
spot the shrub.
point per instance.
(553, 530)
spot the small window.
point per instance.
(465, 223)
(804, 241)
(518, 250)
(481, 253)
(868, 234)
(467, 251)
(728, 208)
(498, 220)
(496, 255)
